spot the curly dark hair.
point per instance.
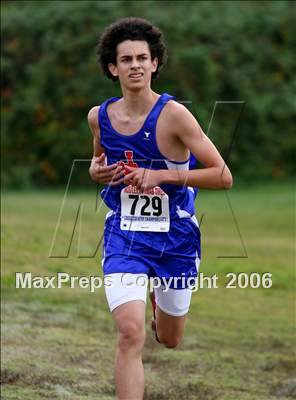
(130, 29)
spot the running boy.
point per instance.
(142, 145)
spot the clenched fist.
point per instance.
(105, 174)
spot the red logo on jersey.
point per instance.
(129, 154)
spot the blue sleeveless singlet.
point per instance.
(183, 239)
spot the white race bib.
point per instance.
(148, 211)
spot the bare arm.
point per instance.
(99, 171)
(215, 175)
(95, 129)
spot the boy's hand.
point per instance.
(105, 174)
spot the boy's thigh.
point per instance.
(169, 328)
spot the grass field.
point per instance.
(239, 343)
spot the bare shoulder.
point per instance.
(92, 118)
(177, 111)
(178, 115)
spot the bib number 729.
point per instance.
(148, 211)
(154, 201)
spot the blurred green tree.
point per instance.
(218, 51)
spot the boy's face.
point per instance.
(134, 66)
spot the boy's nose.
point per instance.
(135, 63)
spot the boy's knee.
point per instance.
(131, 334)
(170, 342)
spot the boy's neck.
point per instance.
(138, 103)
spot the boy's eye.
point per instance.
(129, 59)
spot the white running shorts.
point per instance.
(121, 288)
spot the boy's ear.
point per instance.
(113, 69)
(154, 64)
